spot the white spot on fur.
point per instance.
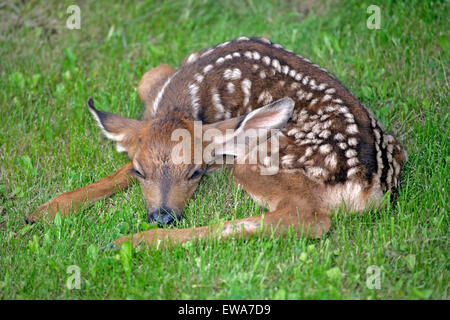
(352, 171)
(230, 87)
(193, 90)
(301, 94)
(265, 97)
(159, 96)
(198, 77)
(327, 124)
(246, 86)
(192, 58)
(207, 52)
(331, 160)
(325, 134)
(292, 132)
(305, 59)
(207, 68)
(316, 172)
(343, 109)
(217, 101)
(305, 80)
(248, 54)
(276, 65)
(232, 74)
(326, 97)
(349, 119)
(352, 129)
(317, 128)
(322, 86)
(325, 148)
(287, 159)
(308, 151)
(352, 161)
(300, 135)
(313, 102)
(352, 142)
(223, 44)
(330, 108)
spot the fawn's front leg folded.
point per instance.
(72, 201)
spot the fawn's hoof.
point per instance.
(110, 247)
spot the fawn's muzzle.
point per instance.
(163, 216)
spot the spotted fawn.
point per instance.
(333, 153)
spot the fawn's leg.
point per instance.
(75, 199)
(278, 222)
(290, 198)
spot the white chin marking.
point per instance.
(112, 136)
(120, 148)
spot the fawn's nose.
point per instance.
(163, 216)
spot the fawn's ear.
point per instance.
(251, 129)
(115, 127)
(271, 116)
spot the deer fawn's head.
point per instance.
(168, 183)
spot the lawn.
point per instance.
(49, 144)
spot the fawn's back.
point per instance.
(333, 137)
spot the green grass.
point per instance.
(49, 144)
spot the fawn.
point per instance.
(332, 151)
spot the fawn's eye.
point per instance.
(137, 173)
(197, 173)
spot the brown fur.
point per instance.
(333, 151)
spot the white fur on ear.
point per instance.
(109, 135)
(258, 124)
(271, 116)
